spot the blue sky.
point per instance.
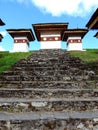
(23, 13)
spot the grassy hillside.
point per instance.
(89, 56)
(7, 59)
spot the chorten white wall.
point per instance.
(74, 43)
(21, 44)
(51, 41)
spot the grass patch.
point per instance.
(88, 56)
(8, 59)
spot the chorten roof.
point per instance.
(1, 23)
(1, 37)
(21, 33)
(93, 22)
(96, 35)
(73, 33)
(48, 27)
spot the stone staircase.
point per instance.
(51, 90)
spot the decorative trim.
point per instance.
(20, 41)
(74, 41)
(50, 38)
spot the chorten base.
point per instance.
(74, 47)
(20, 47)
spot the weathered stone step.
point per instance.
(46, 64)
(52, 84)
(41, 68)
(8, 100)
(49, 60)
(48, 55)
(47, 93)
(48, 68)
(43, 57)
(49, 121)
(38, 59)
(42, 77)
(36, 71)
(49, 116)
(48, 104)
(47, 72)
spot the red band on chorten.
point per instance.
(74, 41)
(50, 38)
(20, 41)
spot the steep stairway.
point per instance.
(50, 90)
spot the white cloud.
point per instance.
(61, 7)
(71, 7)
(1, 48)
(3, 33)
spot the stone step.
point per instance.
(66, 68)
(49, 116)
(48, 93)
(28, 100)
(50, 84)
(49, 60)
(49, 121)
(17, 105)
(49, 64)
(33, 67)
(47, 72)
(36, 71)
(38, 59)
(66, 56)
(41, 68)
(42, 77)
(36, 74)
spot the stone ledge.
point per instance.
(9, 100)
(48, 115)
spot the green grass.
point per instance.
(88, 56)
(8, 59)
